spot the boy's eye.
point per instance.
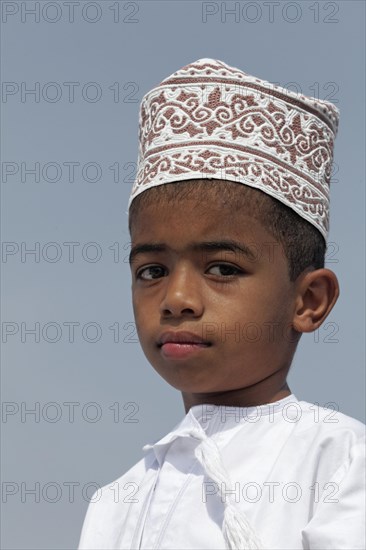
(155, 271)
(149, 273)
(226, 269)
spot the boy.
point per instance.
(227, 266)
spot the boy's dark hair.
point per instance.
(303, 245)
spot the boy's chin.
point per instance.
(201, 387)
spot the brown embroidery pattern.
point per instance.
(212, 120)
(215, 71)
(256, 171)
(258, 121)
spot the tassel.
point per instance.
(237, 531)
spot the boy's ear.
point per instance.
(317, 292)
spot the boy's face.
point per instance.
(241, 306)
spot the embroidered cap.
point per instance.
(213, 121)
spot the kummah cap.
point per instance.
(210, 120)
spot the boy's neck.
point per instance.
(243, 397)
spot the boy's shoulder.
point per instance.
(324, 428)
(125, 487)
(110, 505)
(328, 419)
(331, 440)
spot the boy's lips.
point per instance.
(181, 337)
(178, 345)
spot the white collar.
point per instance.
(210, 419)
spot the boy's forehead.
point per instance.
(206, 199)
(207, 206)
(210, 120)
(188, 222)
(204, 195)
(186, 233)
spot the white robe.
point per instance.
(297, 472)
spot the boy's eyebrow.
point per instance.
(206, 246)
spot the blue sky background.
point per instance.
(120, 50)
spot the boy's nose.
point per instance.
(182, 294)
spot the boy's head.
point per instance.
(251, 306)
(240, 267)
